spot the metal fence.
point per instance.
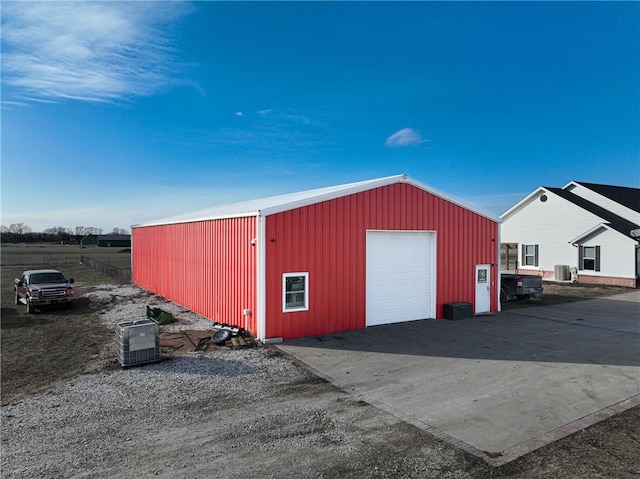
(38, 259)
(121, 274)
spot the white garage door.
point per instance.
(400, 276)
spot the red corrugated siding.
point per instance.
(329, 241)
(206, 266)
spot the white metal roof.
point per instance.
(278, 204)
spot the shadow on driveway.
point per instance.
(499, 385)
(599, 331)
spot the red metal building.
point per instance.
(324, 261)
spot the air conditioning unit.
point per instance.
(562, 272)
(137, 342)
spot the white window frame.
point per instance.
(596, 258)
(526, 255)
(305, 275)
(591, 257)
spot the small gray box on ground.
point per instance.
(455, 311)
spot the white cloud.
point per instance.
(404, 137)
(89, 51)
(239, 114)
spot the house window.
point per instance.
(530, 255)
(589, 258)
(295, 292)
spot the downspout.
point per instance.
(260, 277)
(499, 272)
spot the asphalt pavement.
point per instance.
(496, 385)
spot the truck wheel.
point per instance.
(221, 336)
(30, 308)
(503, 295)
(69, 305)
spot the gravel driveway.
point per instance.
(249, 413)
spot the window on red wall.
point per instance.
(295, 292)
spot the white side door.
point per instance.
(483, 288)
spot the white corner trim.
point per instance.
(261, 278)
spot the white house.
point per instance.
(584, 232)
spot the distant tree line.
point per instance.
(21, 233)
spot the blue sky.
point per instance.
(118, 113)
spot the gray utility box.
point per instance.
(138, 342)
(458, 311)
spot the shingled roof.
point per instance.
(614, 221)
(629, 197)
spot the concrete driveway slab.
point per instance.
(499, 385)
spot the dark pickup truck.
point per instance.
(519, 286)
(43, 287)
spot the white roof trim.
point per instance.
(451, 199)
(575, 241)
(537, 192)
(278, 204)
(571, 183)
(605, 226)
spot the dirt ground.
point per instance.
(558, 293)
(49, 348)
